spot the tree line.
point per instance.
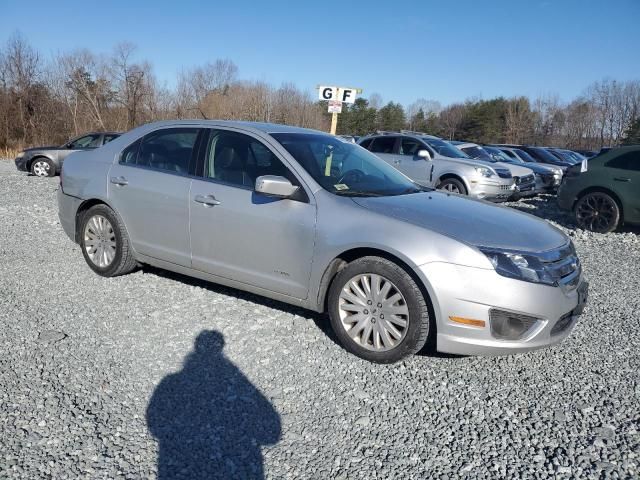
(48, 100)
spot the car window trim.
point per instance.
(201, 162)
(192, 158)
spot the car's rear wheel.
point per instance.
(105, 243)
(377, 310)
(452, 185)
(597, 212)
(43, 167)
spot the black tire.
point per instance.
(452, 183)
(597, 212)
(124, 260)
(417, 328)
(42, 164)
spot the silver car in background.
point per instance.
(431, 161)
(303, 217)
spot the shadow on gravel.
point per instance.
(208, 418)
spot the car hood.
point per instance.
(50, 147)
(516, 170)
(474, 222)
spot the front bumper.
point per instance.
(471, 293)
(496, 191)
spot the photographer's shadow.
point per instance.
(209, 420)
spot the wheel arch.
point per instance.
(41, 155)
(599, 188)
(347, 256)
(455, 176)
(82, 208)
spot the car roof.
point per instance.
(260, 126)
(401, 134)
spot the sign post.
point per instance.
(336, 96)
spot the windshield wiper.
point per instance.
(356, 193)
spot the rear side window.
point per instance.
(108, 138)
(169, 150)
(383, 144)
(626, 161)
(366, 143)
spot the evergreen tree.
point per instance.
(632, 135)
(391, 117)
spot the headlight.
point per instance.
(485, 172)
(519, 266)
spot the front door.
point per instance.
(416, 168)
(245, 236)
(624, 171)
(149, 188)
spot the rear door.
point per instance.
(149, 187)
(624, 175)
(385, 147)
(242, 235)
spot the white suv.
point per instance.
(431, 161)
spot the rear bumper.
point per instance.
(471, 293)
(21, 164)
(67, 209)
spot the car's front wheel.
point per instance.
(377, 310)
(43, 167)
(598, 212)
(452, 185)
(105, 243)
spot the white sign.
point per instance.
(346, 95)
(335, 106)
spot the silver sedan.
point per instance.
(306, 218)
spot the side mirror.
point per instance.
(275, 186)
(425, 155)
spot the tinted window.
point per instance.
(383, 144)
(169, 150)
(525, 156)
(88, 141)
(366, 143)
(626, 161)
(239, 159)
(410, 146)
(108, 138)
(509, 153)
(129, 155)
(543, 156)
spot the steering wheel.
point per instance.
(353, 175)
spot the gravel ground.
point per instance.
(154, 374)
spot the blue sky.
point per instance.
(403, 50)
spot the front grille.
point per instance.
(562, 324)
(503, 172)
(526, 179)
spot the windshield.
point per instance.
(499, 156)
(525, 156)
(445, 149)
(479, 153)
(546, 157)
(344, 168)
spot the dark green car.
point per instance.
(607, 194)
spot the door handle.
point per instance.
(207, 200)
(120, 181)
(621, 179)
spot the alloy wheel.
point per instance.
(373, 312)
(100, 241)
(450, 187)
(41, 168)
(596, 212)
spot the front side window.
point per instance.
(239, 159)
(626, 161)
(88, 141)
(410, 146)
(343, 168)
(383, 145)
(445, 149)
(168, 149)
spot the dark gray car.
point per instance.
(47, 161)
